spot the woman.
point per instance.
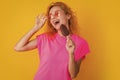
(60, 56)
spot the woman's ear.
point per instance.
(68, 16)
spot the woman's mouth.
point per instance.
(56, 22)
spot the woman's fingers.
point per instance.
(69, 42)
(68, 38)
(40, 19)
(41, 16)
(70, 46)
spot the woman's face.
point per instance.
(57, 17)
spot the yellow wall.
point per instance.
(99, 24)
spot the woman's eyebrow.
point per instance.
(55, 11)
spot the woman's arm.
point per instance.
(73, 66)
(24, 43)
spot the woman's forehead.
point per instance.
(54, 9)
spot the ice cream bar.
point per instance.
(64, 30)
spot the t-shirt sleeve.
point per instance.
(81, 50)
(39, 41)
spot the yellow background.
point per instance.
(99, 24)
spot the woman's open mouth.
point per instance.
(56, 22)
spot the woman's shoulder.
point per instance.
(45, 34)
(79, 39)
(41, 36)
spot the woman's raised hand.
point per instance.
(40, 21)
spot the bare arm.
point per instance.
(25, 43)
(73, 66)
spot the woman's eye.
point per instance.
(57, 13)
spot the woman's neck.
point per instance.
(60, 33)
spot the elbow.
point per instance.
(17, 49)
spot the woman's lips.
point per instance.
(56, 22)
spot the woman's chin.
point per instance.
(57, 27)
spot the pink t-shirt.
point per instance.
(54, 56)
